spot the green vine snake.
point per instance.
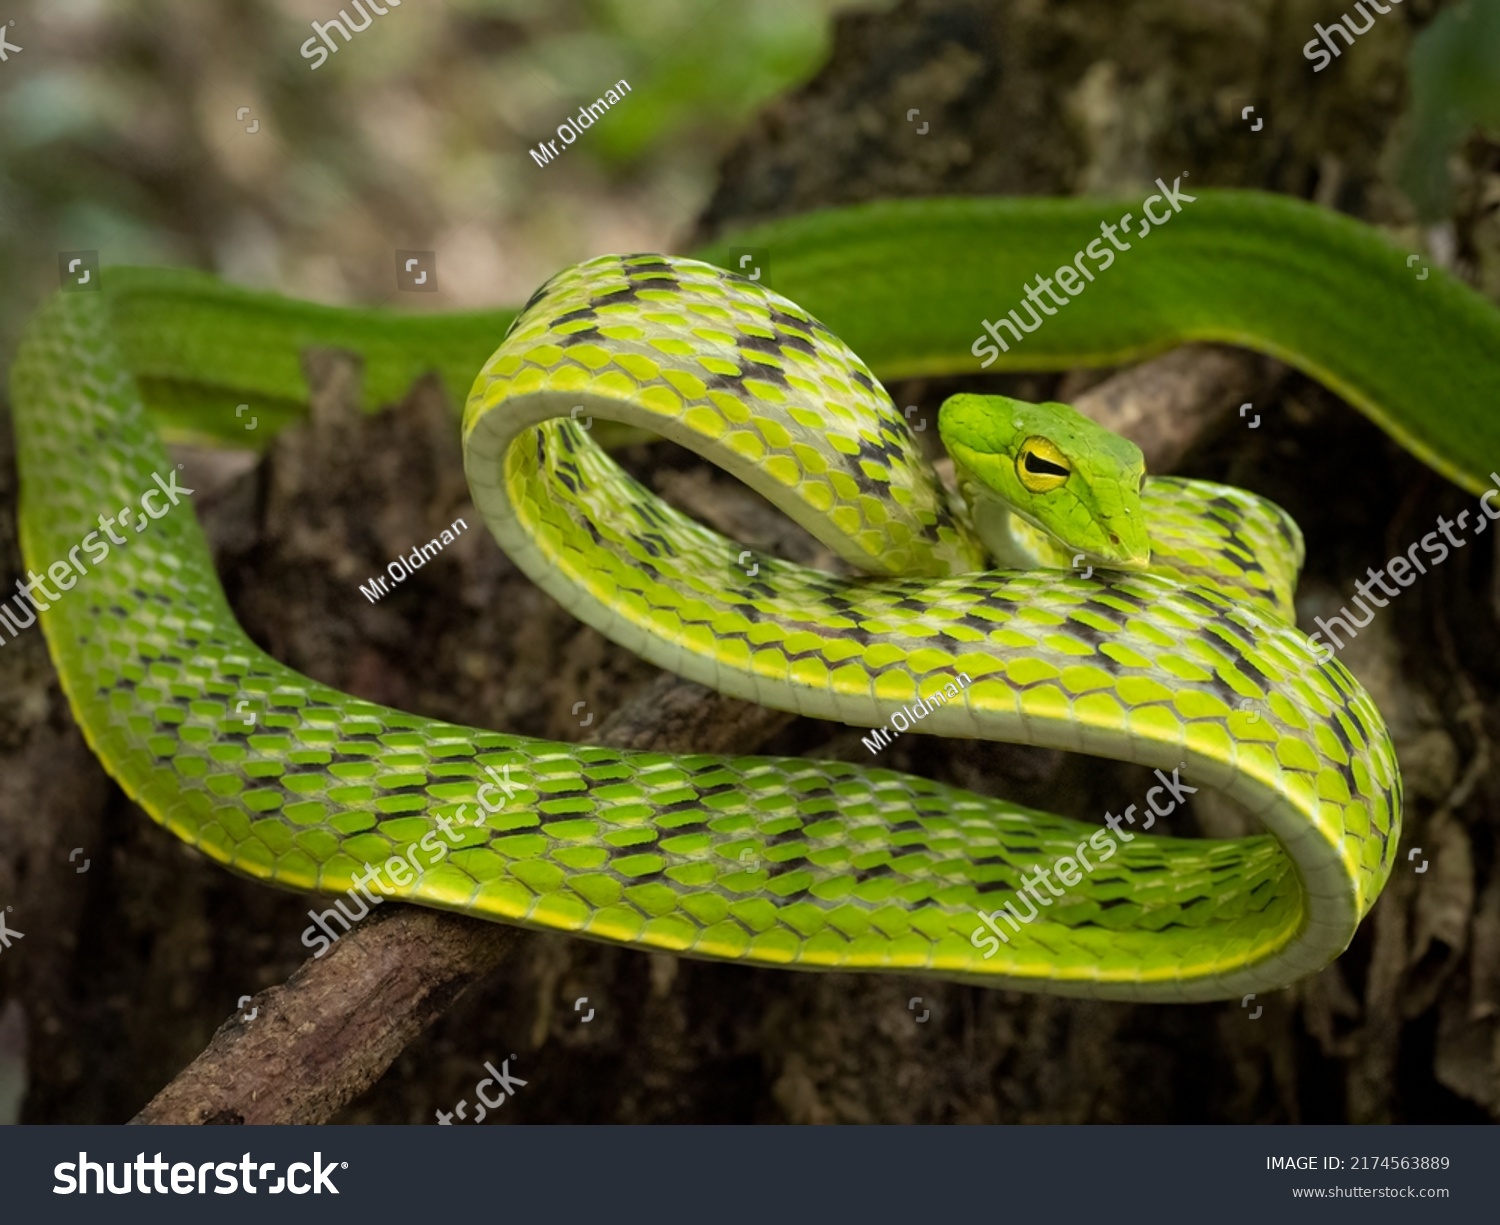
(1189, 664)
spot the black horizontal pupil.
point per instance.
(1043, 467)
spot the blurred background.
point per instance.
(126, 127)
(192, 132)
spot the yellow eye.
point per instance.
(1041, 466)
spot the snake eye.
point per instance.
(1041, 466)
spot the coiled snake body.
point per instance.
(1192, 665)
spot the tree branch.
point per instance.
(333, 1028)
(330, 1032)
(1166, 405)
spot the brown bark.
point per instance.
(299, 1052)
(332, 1030)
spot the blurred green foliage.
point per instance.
(708, 65)
(1455, 88)
(118, 132)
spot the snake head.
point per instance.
(1077, 484)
